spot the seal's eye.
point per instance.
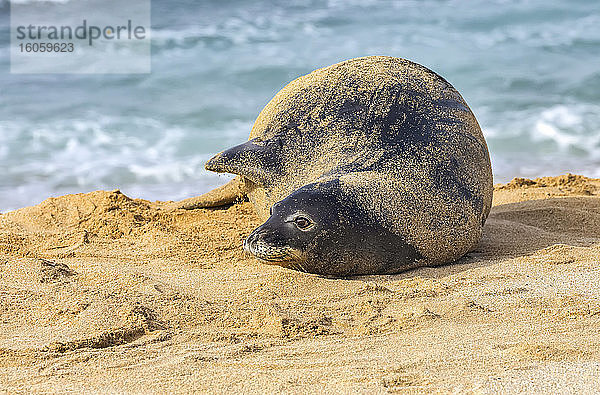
(302, 222)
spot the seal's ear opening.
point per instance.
(255, 160)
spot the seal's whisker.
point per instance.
(302, 269)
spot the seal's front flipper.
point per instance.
(258, 161)
(221, 196)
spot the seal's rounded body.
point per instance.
(381, 153)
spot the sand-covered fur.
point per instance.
(397, 147)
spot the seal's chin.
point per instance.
(282, 255)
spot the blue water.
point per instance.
(530, 70)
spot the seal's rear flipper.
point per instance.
(258, 161)
(254, 161)
(221, 196)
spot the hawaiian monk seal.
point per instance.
(372, 165)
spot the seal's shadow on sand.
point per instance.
(520, 229)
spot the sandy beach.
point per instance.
(104, 293)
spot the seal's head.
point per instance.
(318, 229)
(288, 237)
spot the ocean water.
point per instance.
(530, 70)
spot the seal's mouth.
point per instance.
(268, 251)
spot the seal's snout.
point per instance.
(268, 245)
(249, 242)
(253, 243)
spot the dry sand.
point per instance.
(99, 292)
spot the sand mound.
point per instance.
(106, 293)
(564, 185)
